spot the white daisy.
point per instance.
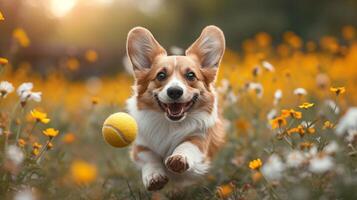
(321, 163)
(24, 87)
(332, 105)
(28, 95)
(273, 168)
(24, 195)
(268, 66)
(5, 88)
(277, 96)
(257, 87)
(273, 113)
(295, 159)
(15, 154)
(331, 148)
(348, 122)
(300, 91)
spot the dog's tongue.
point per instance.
(175, 108)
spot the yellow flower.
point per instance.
(91, 56)
(39, 116)
(306, 105)
(328, 125)
(255, 164)
(21, 142)
(3, 61)
(278, 122)
(36, 145)
(50, 132)
(69, 138)
(35, 152)
(20, 35)
(225, 190)
(292, 113)
(1, 17)
(83, 172)
(338, 90)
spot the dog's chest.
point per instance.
(163, 136)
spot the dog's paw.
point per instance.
(177, 163)
(155, 181)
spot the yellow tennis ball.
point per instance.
(119, 129)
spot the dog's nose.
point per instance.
(174, 92)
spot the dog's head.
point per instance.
(175, 85)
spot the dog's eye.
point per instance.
(190, 76)
(161, 76)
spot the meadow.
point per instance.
(290, 123)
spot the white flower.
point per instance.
(277, 96)
(321, 163)
(331, 148)
(231, 97)
(24, 87)
(348, 122)
(175, 50)
(5, 88)
(15, 154)
(257, 87)
(300, 91)
(273, 168)
(222, 89)
(351, 135)
(272, 114)
(24, 195)
(295, 159)
(268, 66)
(28, 95)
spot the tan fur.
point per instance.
(197, 60)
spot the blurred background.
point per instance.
(62, 29)
(69, 56)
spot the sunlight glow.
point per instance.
(60, 8)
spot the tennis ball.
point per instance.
(119, 129)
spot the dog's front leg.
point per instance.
(153, 172)
(190, 156)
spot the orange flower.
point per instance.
(278, 122)
(21, 142)
(83, 172)
(3, 61)
(292, 113)
(91, 56)
(299, 129)
(225, 190)
(1, 17)
(69, 138)
(306, 145)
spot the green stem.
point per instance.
(43, 150)
(272, 192)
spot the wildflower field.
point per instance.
(290, 121)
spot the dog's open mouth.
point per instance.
(176, 111)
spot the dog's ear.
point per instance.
(209, 47)
(142, 48)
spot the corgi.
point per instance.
(176, 107)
